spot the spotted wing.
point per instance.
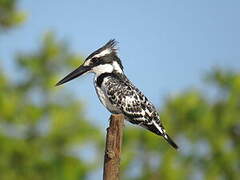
(135, 106)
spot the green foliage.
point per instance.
(43, 129)
(208, 132)
(9, 15)
(42, 126)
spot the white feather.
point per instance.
(117, 67)
(102, 68)
(103, 53)
(158, 127)
(104, 99)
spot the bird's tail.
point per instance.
(170, 141)
(159, 130)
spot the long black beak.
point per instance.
(77, 72)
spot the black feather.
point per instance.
(170, 141)
(155, 130)
(111, 44)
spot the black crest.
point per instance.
(111, 45)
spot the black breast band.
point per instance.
(101, 77)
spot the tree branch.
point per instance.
(113, 147)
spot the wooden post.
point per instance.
(113, 147)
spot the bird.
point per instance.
(116, 92)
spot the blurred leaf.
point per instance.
(9, 15)
(206, 131)
(40, 123)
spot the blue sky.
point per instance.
(166, 45)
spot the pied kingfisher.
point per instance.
(116, 92)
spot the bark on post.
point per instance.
(113, 146)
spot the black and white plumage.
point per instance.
(116, 92)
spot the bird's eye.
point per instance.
(94, 60)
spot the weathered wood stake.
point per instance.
(113, 146)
